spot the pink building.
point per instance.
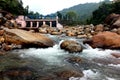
(21, 21)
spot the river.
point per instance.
(95, 64)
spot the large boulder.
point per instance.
(26, 38)
(105, 40)
(116, 24)
(71, 46)
(113, 20)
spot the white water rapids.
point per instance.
(56, 57)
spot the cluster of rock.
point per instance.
(7, 20)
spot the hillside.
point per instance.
(83, 11)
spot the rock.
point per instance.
(70, 33)
(26, 38)
(1, 32)
(75, 59)
(117, 55)
(112, 17)
(114, 30)
(41, 30)
(66, 74)
(2, 39)
(87, 30)
(71, 46)
(118, 31)
(9, 16)
(6, 47)
(2, 53)
(116, 24)
(11, 24)
(105, 40)
(113, 20)
(99, 28)
(18, 73)
(2, 21)
(55, 33)
(81, 36)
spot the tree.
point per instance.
(71, 16)
(59, 15)
(12, 6)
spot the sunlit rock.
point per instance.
(99, 28)
(71, 46)
(26, 38)
(105, 40)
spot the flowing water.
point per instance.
(95, 65)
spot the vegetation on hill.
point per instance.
(13, 6)
(77, 14)
(103, 11)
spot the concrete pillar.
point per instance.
(37, 24)
(44, 23)
(31, 24)
(50, 24)
(56, 20)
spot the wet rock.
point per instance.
(117, 55)
(46, 78)
(6, 47)
(66, 74)
(2, 53)
(23, 73)
(26, 38)
(71, 46)
(75, 59)
(105, 40)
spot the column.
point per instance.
(31, 24)
(56, 20)
(50, 24)
(37, 24)
(44, 23)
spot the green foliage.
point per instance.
(103, 11)
(83, 11)
(12, 6)
(77, 14)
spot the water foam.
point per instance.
(51, 55)
(88, 75)
(97, 53)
